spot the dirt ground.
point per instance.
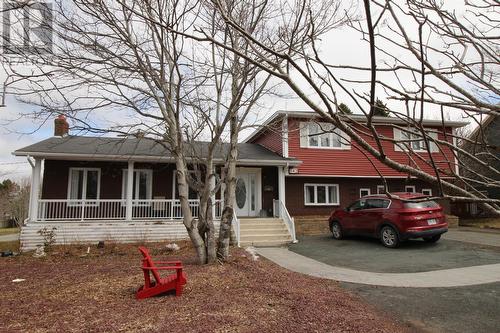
(69, 292)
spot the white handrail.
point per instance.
(283, 214)
(236, 224)
(114, 209)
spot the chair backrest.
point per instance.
(149, 262)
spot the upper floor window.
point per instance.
(363, 192)
(84, 183)
(427, 191)
(142, 185)
(410, 189)
(411, 139)
(321, 194)
(322, 135)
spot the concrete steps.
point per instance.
(263, 232)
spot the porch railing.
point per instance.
(115, 209)
(279, 210)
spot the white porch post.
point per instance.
(212, 197)
(35, 189)
(130, 188)
(281, 184)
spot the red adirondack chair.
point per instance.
(159, 286)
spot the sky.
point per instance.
(341, 46)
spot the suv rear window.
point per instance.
(421, 204)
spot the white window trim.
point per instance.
(84, 186)
(327, 196)
(428, 190)
(364, 189)
(402, 146)
(412, 187)
(343, 146)
(380, 189)
(136, 194)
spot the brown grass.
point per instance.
(67, 292)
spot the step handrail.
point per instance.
(285, 216)
(236, 224)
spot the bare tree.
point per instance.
(133, 60)
(438, 59)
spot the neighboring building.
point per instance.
(485, 138)
(284, 170)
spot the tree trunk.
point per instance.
(229, 193)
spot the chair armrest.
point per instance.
(164, 268)
(175, 262)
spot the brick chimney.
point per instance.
(61, 126)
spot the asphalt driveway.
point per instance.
(458, 309)
(368, 254)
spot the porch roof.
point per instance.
(142, 149)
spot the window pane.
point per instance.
(321, 194)
(325, 140)
(92, 184)
(336, 140)
(143, 185)
(310, 194)
(76, 185)
(313, 139)
(332, 194)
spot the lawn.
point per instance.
(70, 292)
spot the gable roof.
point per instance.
(354, 117)
(142, 149)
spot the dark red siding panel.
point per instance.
(56, 173)
(348, 191)
(354, 163)
(271, 138)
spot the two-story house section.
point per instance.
(333, 171)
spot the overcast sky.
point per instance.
(341, 46)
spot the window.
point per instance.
(321, 194)
(412, 138)
(84, 184)
(364, 192)
(421, 204)
(380, 189)
(377, 203)
(323, 136)
(427, 191)
(357, 205)
(142, 188)
(410, 189)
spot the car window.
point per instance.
(357, 205)
(421, 204)
(377, 203)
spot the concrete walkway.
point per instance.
(455, 277)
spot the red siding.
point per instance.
(348, 192)
(271, 138)
(352, 162)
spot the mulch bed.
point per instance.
(68, 292)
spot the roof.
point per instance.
(141, 149)
(353, 117)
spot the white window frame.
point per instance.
(413, 134)
(149, 189)
(364, 189)
(428, 190)
(414, 190)
(327, 195)
(326, 127)
(84, 186)
(380, 189)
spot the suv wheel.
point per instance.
(337, 230)
(389, 236)
(432, 239)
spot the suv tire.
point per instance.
(337, 230)
(389, 236)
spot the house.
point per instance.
(98, 188)
(484, 138)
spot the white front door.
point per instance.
(247, 192)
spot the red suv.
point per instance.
(391, 220)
